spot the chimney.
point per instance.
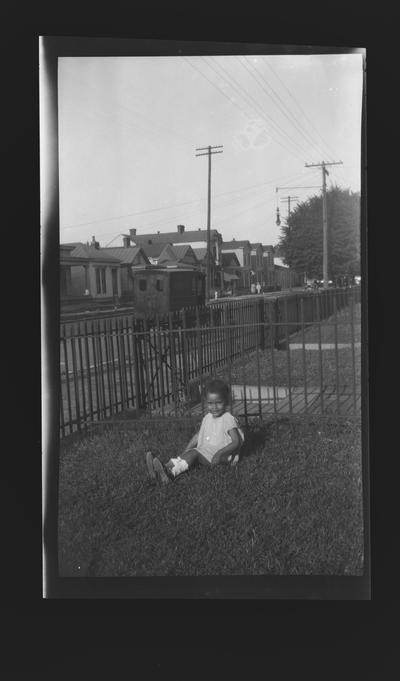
(181, 229)
(132, 231)
(95, 244)
(126, 240)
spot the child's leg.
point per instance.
(184, 462)
(173, 467)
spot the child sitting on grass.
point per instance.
(218, 440)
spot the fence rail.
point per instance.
(111, 365)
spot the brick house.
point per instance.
(257, 262)
(230, 267)
(268, 265)
(242, 250)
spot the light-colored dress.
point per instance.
(213, 434)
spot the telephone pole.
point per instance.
(288, 199)
(209, 151)
(278, 217)
(323, 165)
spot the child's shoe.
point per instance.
(150, 466)
(160, 471)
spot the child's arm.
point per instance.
(223, 454)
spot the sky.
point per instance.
(129, 128)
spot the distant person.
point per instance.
(258, 287)
(253, 288)
(218, 441)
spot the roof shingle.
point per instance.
(84, 251)
(126, 255)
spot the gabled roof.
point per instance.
(90, 253)
(268, 248)
(200, 253)
(226, 259)
(154, 250)
(126, 255)
(182, 250)
(256, 245)
(235, 244)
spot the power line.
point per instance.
(327, 147)
(110, 242)
(233, 101)
(243, 93)
(227, 204)
(260, 112)
(256, 205)
(286, 112)
(174, 205)
(297, 103)
(217, 88)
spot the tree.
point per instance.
(301, 238)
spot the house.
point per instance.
(257, 262)
(162, 253)
(242, 250)
(268, 265)
(89, 278)
(180, 254)
(154, 251)
(194, 238)
(230, 267)
(197, 239)
(131, 258)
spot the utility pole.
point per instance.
(278, 217)
(288, 199)
(209, 151)
(323, 165)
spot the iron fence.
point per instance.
(296, 354)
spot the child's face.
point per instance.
(216, 405)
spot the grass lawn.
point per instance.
(292, 506)
(273, 366)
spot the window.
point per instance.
(114, 276)
(142, 284)
(101, 280)
(159, 285)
